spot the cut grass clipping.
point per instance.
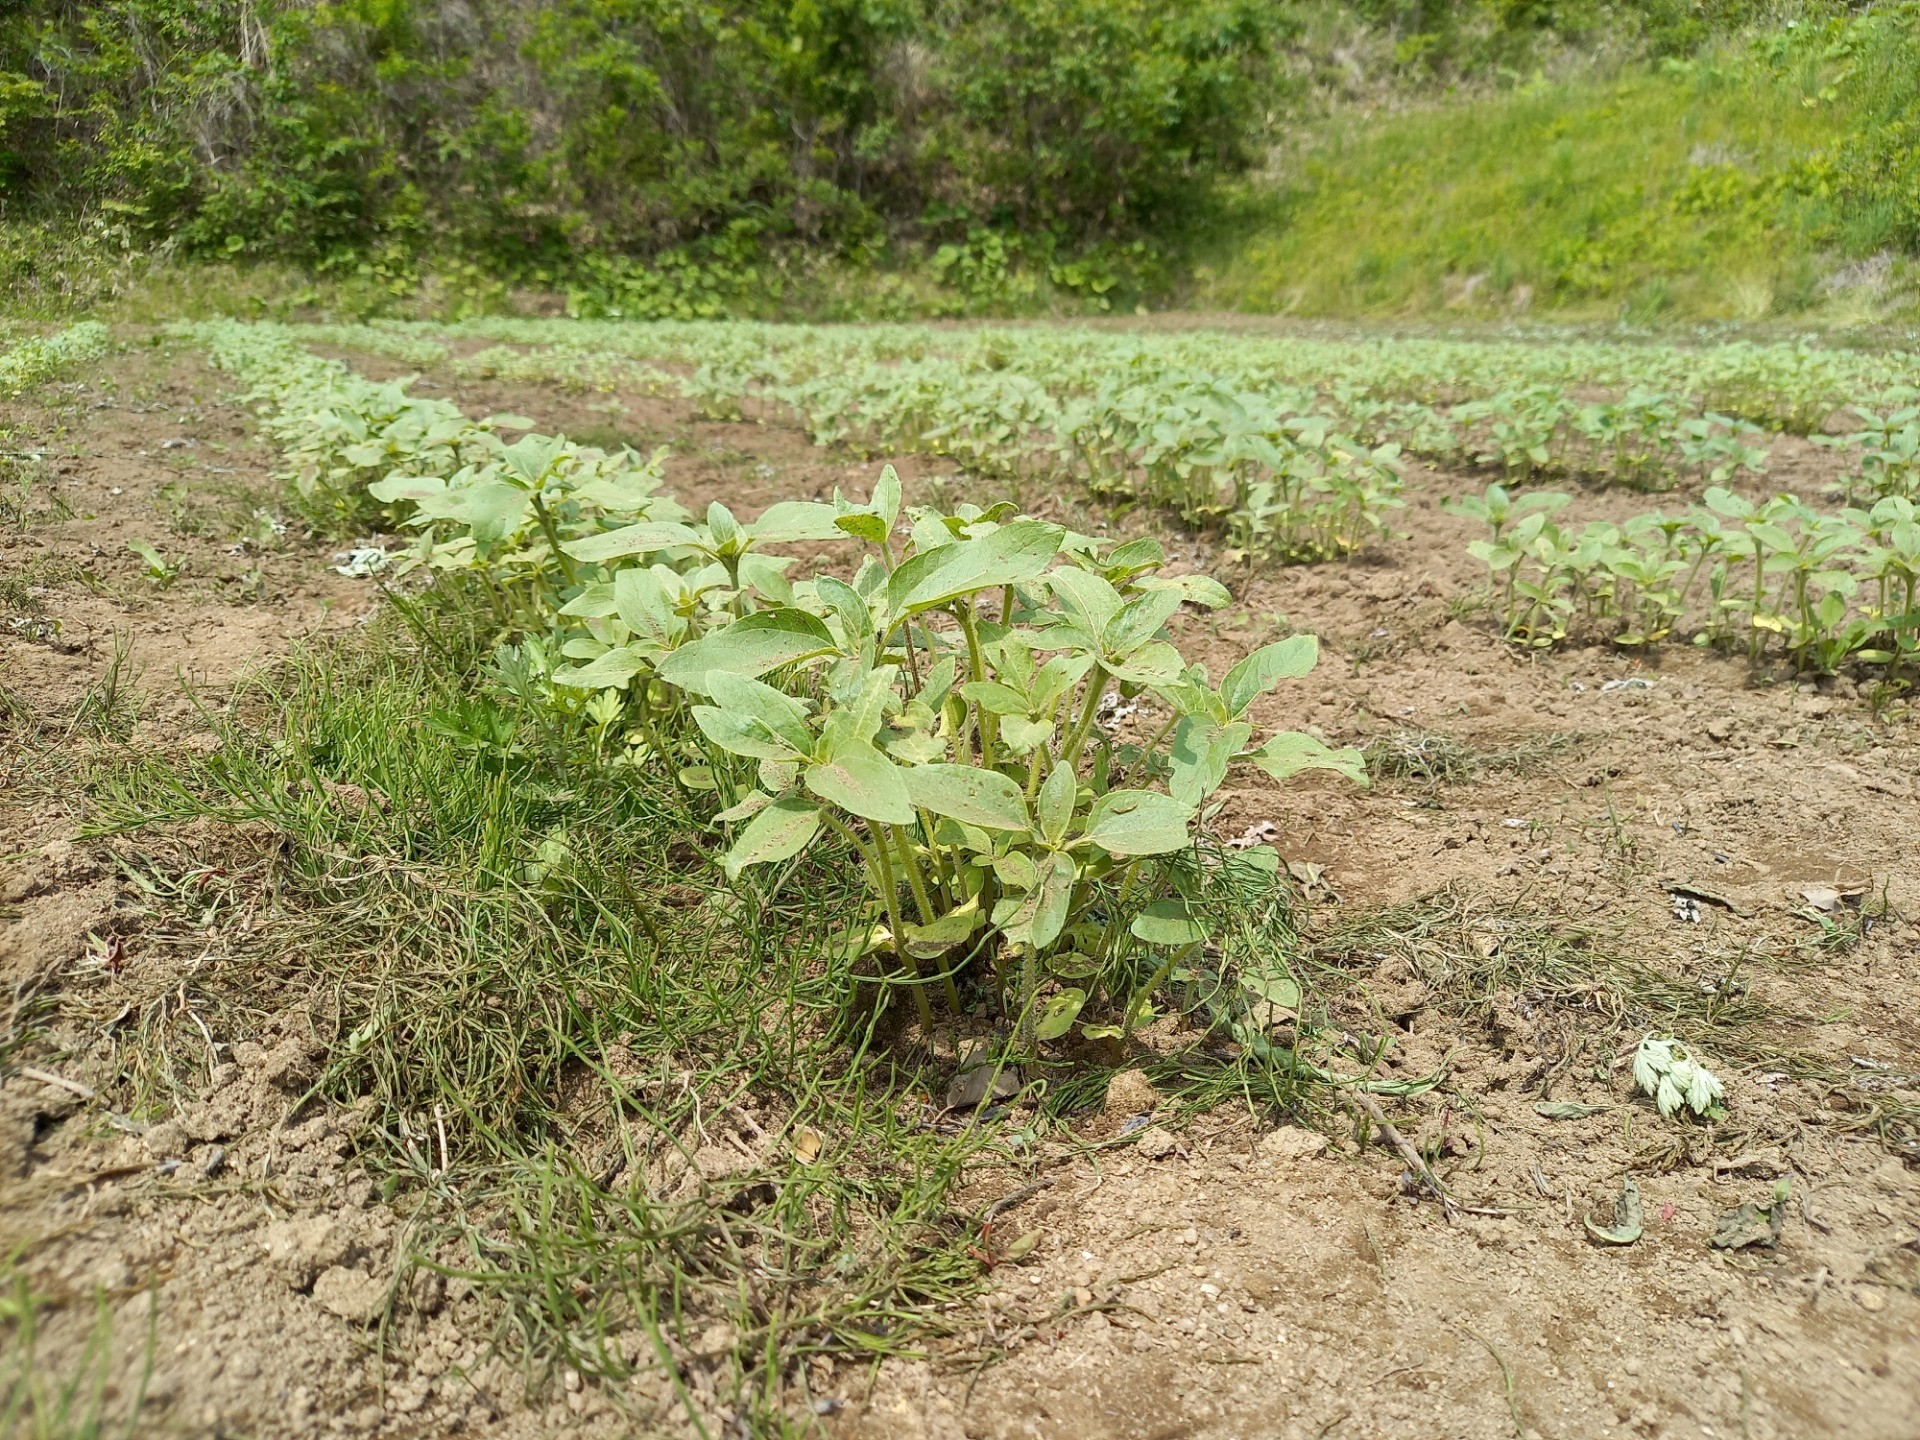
(659, 1123)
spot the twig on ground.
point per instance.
(1421, 1171)
(1007, 1202)
(59, 1082)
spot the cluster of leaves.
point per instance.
(1886, 458)
(943, 702)
(1664, 1069)
(34, 358)
(1826, 588)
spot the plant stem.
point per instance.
(1096, 687)
(882, 871)
(923, 899)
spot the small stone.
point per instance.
(1130, 1093)
(351, 1294)
(291, 1064)
(303, 1247)
(1156, 1142)
(1870, 1299)
(715, 1341)
(166, 1141)
(1291, 1144)
(1719, 729)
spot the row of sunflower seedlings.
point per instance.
(935, 706)
(33, 358)
(1280, 480)
(1826, 589)
(993, 402)
(1793, 387)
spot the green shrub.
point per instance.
(533, 133)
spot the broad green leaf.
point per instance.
(1037, 917)
(640, 598)
(1169, 923)
(751, 718)
(1087, 601)
(1059, 1013)
(1280, 991)
(1290, 752)
(612, 671)
(641, 539)
(968, 794)
(1265, 668)
(1138, 822)
(1142, 554)
(1072, 964)
(490, 512)
(1021, 735)
(1137, 622)
(1010, 555)
(862, 526)
(756, 801)
(862, 781)
(767, 575)
(1200, 755)
(1053, 808)
(407, 487)
(886, 496)
(595, 601)
(1016, 870)
(779, 832)
(750, 646)
(723, 527)
(953, 928)
(1155, 663)
(858, 712)
(787, 521)
(855, 618)
(995, 698)
(1194, 589)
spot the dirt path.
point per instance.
(1244, 1281)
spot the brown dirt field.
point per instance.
(1246, 1280)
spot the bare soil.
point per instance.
(1245, 1280)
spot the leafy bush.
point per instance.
(532, 134)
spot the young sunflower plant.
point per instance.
(940, 712)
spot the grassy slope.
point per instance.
(1651, 192)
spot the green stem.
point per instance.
(1096, 687)
(1154, 744)
(877, 863)
(923, 899)
(553, 539)
(987, 724)
(1145, 993)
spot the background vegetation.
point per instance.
(842, 157)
